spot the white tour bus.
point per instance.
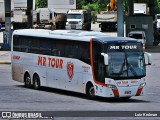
(86, 62)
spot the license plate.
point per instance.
(127, 92)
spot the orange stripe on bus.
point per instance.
(139, 91)
(115, 92)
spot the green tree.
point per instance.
(81, 3)
(36, 3)
(41, 3)
(125, 6)
(157, 6)
(91, 7)
(102, 4)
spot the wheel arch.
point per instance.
(35, 75)
(87, 84)
(26, 73)
(36, 83)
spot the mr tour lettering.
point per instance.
(50, 62)
(126, 47)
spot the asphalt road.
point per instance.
(15, 97)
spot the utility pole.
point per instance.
(29, 13)
(7, 35)
(120, 21)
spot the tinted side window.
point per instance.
(71, 49)
(34, 45)
(57, 48)
(78, 50)
(84, 52)
(45, 46)
(24, 44)
(16, 43)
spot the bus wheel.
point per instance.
(36, 82)
(90, 92)
(27, 80)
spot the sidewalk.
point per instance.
(153, 49)
(5, 57)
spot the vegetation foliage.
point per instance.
(41, 3)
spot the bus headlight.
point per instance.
(111, 86)
(142, 84)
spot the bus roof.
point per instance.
(78, 35)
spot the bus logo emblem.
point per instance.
(70, 70)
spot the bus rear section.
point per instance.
(118, 67)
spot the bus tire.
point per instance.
(90, 92)
(36, 82)
(27, 80)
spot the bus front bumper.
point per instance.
(113, 90)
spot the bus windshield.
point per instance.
(126, 60)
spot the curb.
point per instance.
(5, 62)
(152, 47)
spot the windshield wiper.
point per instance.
(132, 69)
(127, 66)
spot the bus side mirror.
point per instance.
(149, 58)
(105, 58)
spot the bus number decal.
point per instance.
(52, 62)
(70, 70)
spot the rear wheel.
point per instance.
(90, 92)
(27, 80)
(36, 82)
